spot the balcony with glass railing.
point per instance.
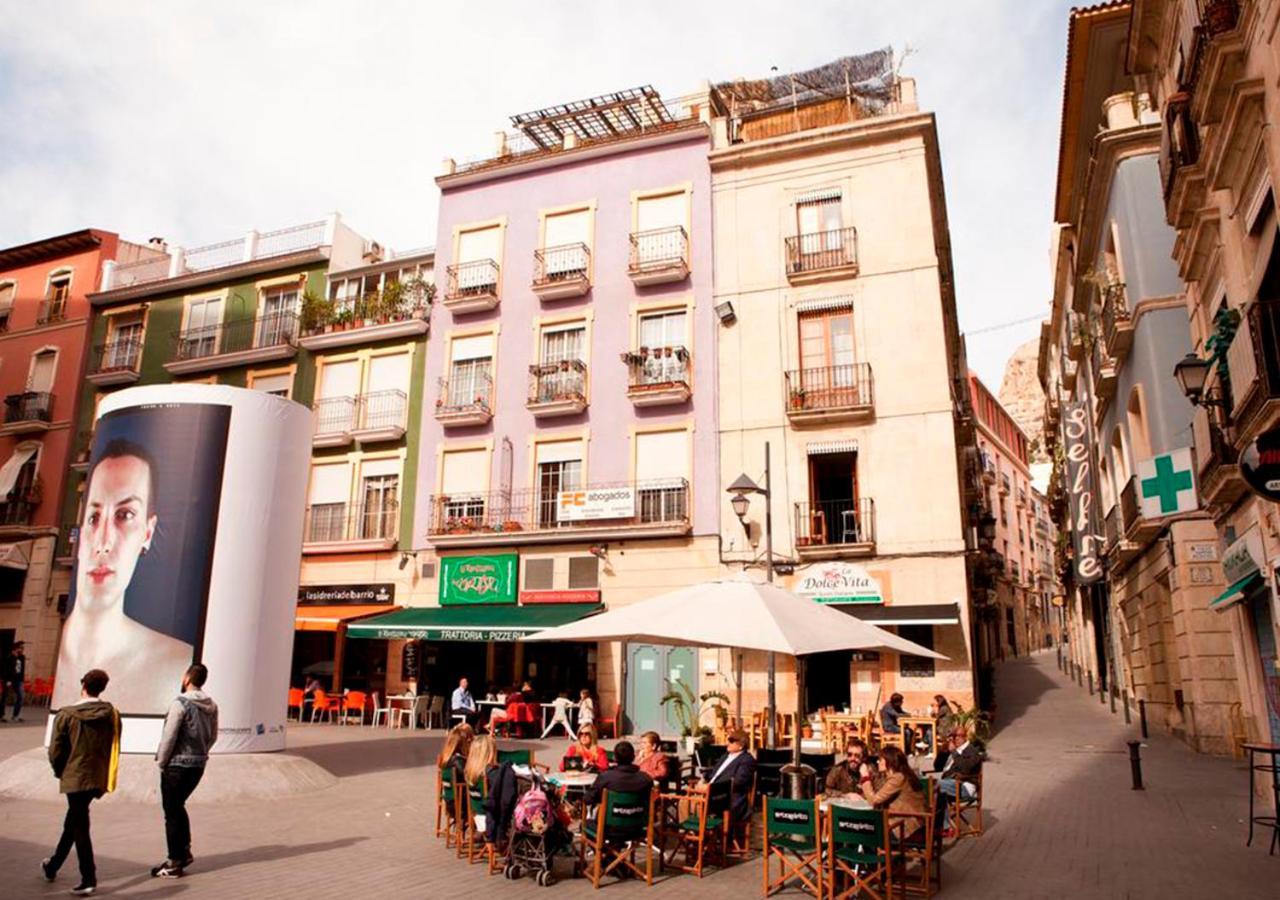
(621, 510)
(471, 286)
(118, 361)
(830, 393)
(835, 528)
(822, 254)
(563, 271)
(557, 388)
(659, 255)
(465, 399)
(27, 412)
(657, 376)
(342, 528)
(235, 343)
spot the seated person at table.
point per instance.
(900, 791)
(890, 713)
(586, 709)
(652, 761)
(844, 777)
(457, 744)
(462, 704)
(942, 712)
(498, 714)
(308, 695)
(738, 768)
(625, 776)
(963, 760)
(588, 750)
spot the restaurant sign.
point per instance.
(1084, 518)
(840, 583)
(339, 594)
(596, 503)
(471, 580)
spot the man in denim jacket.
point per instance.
(190, 729)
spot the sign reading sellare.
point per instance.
(596, 503)
(466, 580)
(1080, 487)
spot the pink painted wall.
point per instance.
(609, 181)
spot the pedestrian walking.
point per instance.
(15, 674)
(190, 729)
(85, 754)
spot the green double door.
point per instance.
(652, 671)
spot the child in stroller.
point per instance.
(539, 830)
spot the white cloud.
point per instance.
(198, 122)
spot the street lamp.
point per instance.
(741, 487)
(1192, 373)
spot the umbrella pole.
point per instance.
(799, 730)
(739, 682)
(771, 726)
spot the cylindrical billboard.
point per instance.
(188, 547)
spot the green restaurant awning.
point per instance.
(1234, 594)
(470, 623)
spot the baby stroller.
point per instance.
(538, 832)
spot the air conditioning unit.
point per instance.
(372, 251)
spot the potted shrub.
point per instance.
(689, 709)
(797, 398)
(316, 313)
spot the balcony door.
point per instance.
(479, 253)
(660, 222)
(275, 326)
(203, 320)
(469, 379)
(125, 343)
(833, 516)
(818, 223)
(826, 358)
(559, 469)
(561, 348)
(660, 332)
(43, 366)
(564, 242)
(379, 488)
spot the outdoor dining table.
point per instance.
(394, 700)
(575, 786)
(919, 724)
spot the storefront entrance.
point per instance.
(652, 671)
(1258, 606)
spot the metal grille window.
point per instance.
(539, 574)
(663, 502)
(584, 572)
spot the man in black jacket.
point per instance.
(624, 776)
(964, 760)
(15, 674)
(738, 768)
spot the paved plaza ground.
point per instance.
(1061, 821)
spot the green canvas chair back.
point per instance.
(796, 820)
(857, 833)
(625, 812)
(447, 776)
(515, 757)
(475, 796)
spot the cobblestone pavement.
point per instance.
(1061, 821)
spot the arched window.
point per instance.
(54, 306)
(1139, 438)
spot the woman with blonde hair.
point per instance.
(588, 749)
(482, 756)
(456, 746)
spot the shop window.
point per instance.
(916, 666)
(539, 574)
(584, 572)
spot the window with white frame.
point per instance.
(204, 318)
(327, 499)
(7, 291)
(336, 397)
(277, 384)
(663, 343)
(660, 223)
(565, 239)
(470, 379)
(479, 255)
(559, 468)
(379, 498)
(385, 401)
(662, 475)
(278, 320)
(561, 373)
(464, 475)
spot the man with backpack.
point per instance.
(190, 729)
(84, 751)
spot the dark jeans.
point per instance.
(176, 785)
(75, 830)
(473, 717)
(17, 699)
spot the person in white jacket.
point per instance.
(190, 729)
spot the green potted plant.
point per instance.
(418, 294)
(689, 709)
(316, 312)
(391, 306)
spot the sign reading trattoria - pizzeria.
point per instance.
(1084, 518)
(470, 580)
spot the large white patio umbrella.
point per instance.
(741, 614)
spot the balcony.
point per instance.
(658, 256)
(820, 255)
(1218, 475)
(465, 401)
(1104, 373)
(1070, 369)
(335, 419)
(28, 412)
(1117, 322)
(1052, 411)
(1117, 545)
(1253, 361)
(1005, 484)
(557, 388)
(471, 286)
(1022, 497)
(16, 517)
(236, 343)
(830, 394)
(1137, 527)
(988, 469)
(832, 529)
(64, 553)
(616, 511)
(657, 376)
(51, 311)
(82, 448)
(364, 320)
(116, 362)
(338, 528)
(563, 271)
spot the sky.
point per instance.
(197, 122)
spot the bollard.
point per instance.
(1135, 765)
(1090, 682)
(1142, 716)
(1126, 708)
(1111, 696)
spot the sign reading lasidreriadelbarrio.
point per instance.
(470, 580)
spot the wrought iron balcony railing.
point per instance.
(473, 391)
(29, 406)
(275, 330)
(651, 367)
(567, 508)
(51, 310)
(119, 355)
(471, 279)
(658, 248)
(557, 381)
(822, 250)
(830, 388)
(332, 523)
(567, 262)
(826, 523)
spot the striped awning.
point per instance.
(829, 193)
(821, 304)
(815, 448)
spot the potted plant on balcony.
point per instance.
(391, 303)
(316, 313)
(344, 318)
(418, 294)
(797, 398)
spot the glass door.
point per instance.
(275, 326)
(554, 477)
(379, 506)
(561, 376)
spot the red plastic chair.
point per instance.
(353, 702)
(296, 697)
(611, 727)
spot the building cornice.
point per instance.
(1110, 148)
(51, 248)
(193, 280)
(877, 129)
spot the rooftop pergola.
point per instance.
(631, 111)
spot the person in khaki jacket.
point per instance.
(85, 754)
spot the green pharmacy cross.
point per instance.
(1167, 484)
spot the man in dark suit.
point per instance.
(624, 776)
(739, 769)
(963, 761)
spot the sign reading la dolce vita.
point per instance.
(469, 580)
(596, 503)
(840, 583)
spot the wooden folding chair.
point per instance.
(446, 804)
(792, 836)
(701, 831)
(623, 822)
(966, 811)
(738, 834)
(859, 849)
(921, 843)
(478, 847)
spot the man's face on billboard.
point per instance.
(117, 528)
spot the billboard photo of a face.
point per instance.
(144, 552)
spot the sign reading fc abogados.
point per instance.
(1260, 465)
(591, 504)
(471, 580)
(1088, 568)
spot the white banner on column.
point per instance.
(188, 551)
